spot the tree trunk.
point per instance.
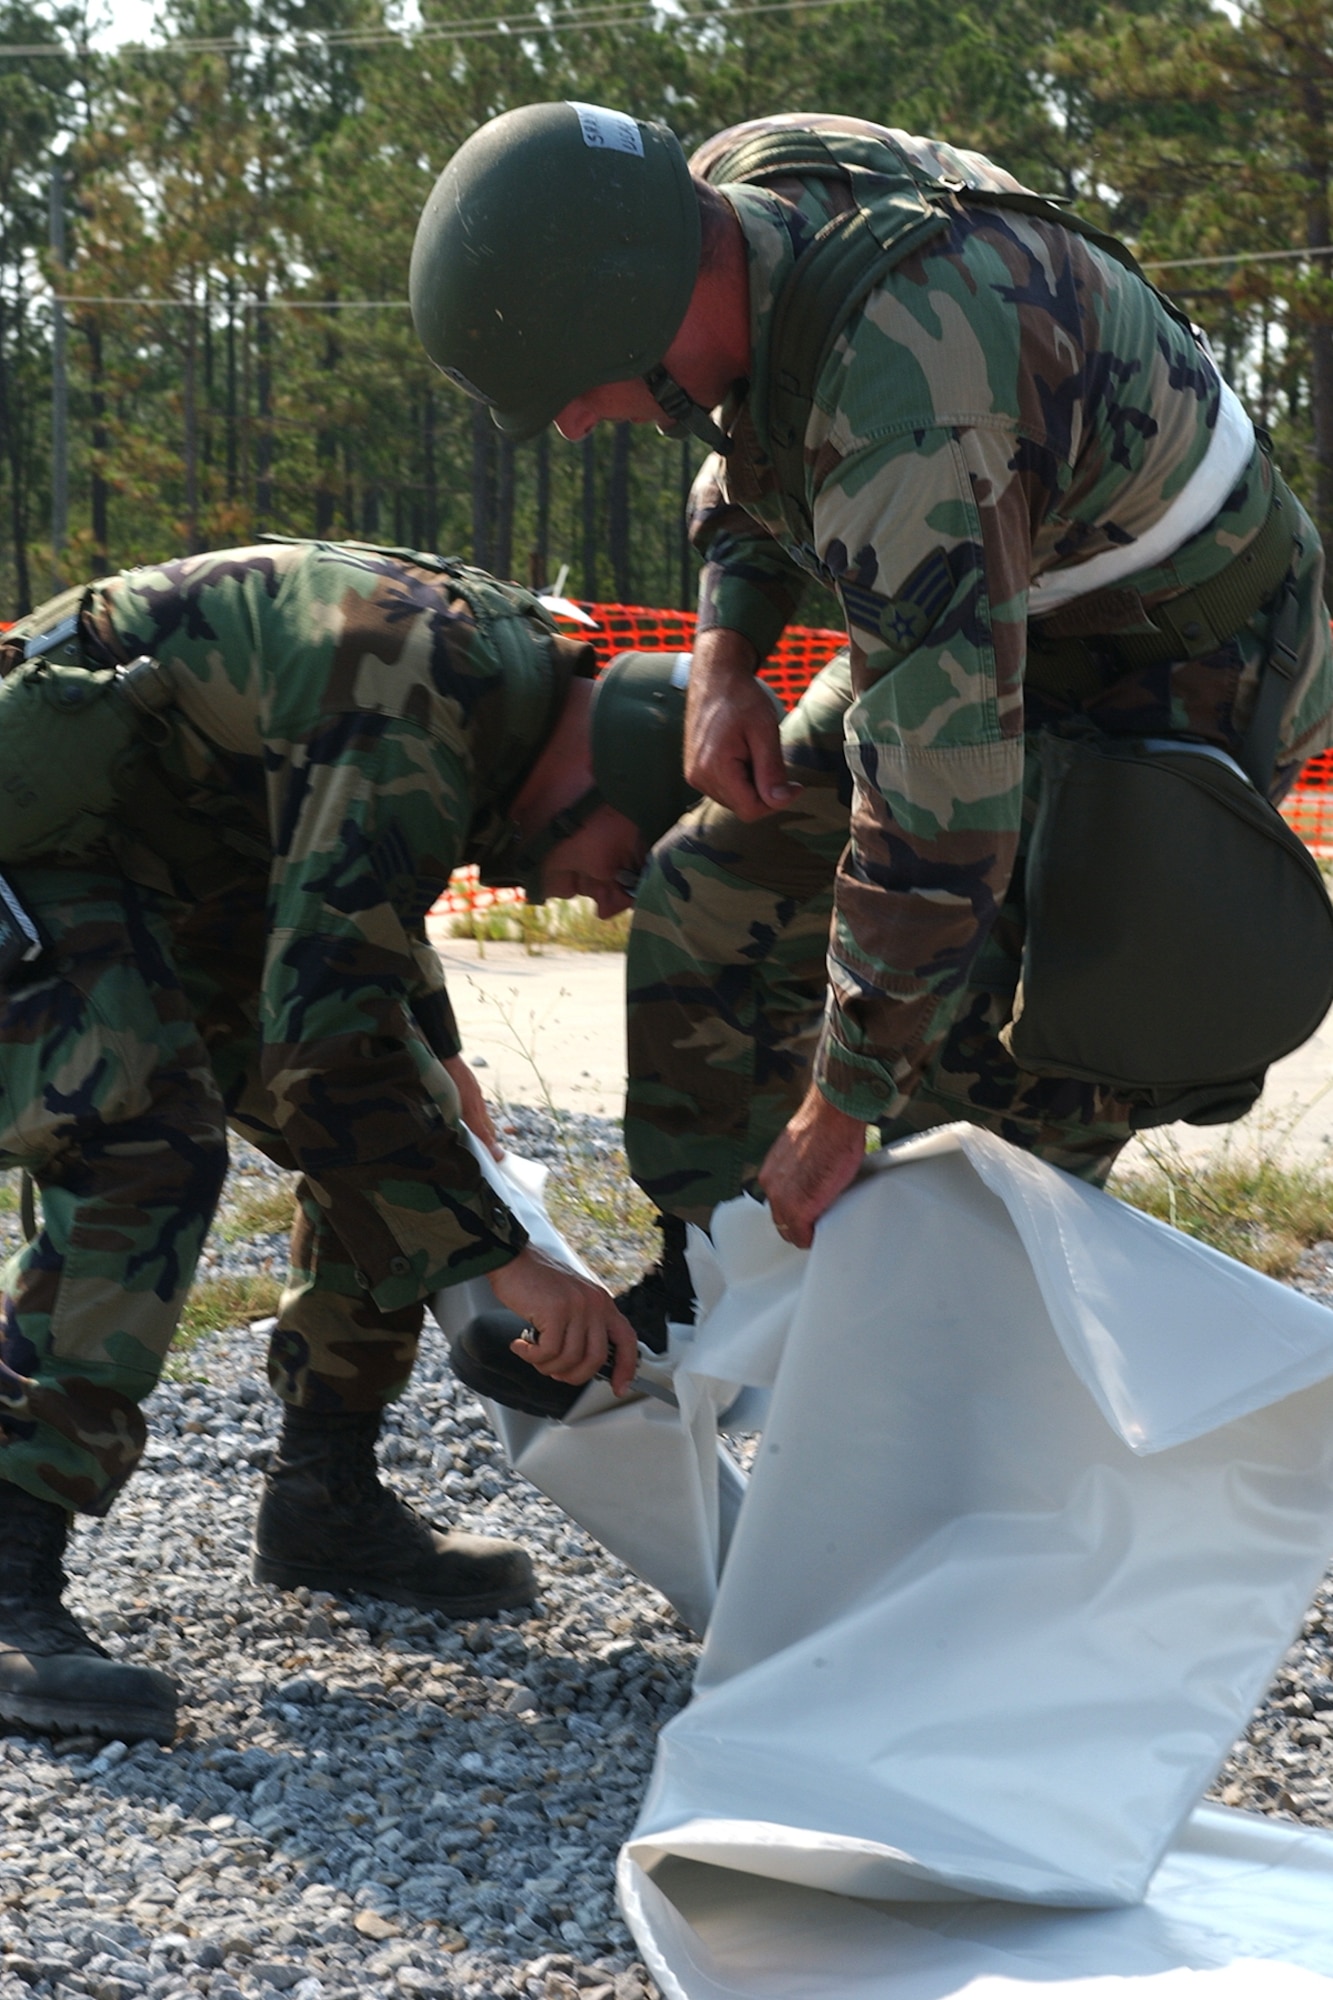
(503, 558)
(539, 559)
(1319, 237)
(263, 409)
(1321, 410)
(10, 426)
(617, 508)
(206, 418)
(232, 415)
(190, 416)
(326, 440)
(589, 449)
(482, 486)
(97, 487)
(246, 431)
(430, 526)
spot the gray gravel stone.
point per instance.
(351, 1779)
(366, 1800)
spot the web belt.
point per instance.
(1074, 665)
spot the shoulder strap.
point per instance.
(897, 209)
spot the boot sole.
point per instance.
(72, 1718)
(339, 1583)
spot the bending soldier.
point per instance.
(1041, 509)
(258, 769)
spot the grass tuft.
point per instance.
(574, 925)
(215, 1303)
(1252, 1200)
(607, 1219)
(259, 1207)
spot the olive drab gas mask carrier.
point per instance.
(72, 733)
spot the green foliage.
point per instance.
(1208, 131)
(604, 1216)
(256, 205)
(281, 168)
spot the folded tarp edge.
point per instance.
(1115, 1314)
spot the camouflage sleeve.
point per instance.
(359, 1092)
(928, 538)
(749, 583)
(431, 1003)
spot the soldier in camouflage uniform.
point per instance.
(1010, 447)
(323, 733)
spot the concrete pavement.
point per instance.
(552, 1025)
(549, 1025)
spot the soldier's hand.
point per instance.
(575, 1319)
(807, 1168)
(733, 752)
(473, 1108)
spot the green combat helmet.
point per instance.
(556, 253)
(637, 744)
(638, 739)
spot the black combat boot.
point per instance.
(326, 1523)
(665, 1292)
(52, 1676)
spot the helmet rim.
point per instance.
(545, 267)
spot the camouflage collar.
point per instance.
(775, 234)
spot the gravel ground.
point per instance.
(366, 1800)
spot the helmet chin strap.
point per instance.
(682, 413)
(519, 861)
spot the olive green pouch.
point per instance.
(1179, 935)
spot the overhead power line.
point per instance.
(401, 305)
(487, 27)
(1239, 257)
(237, 304)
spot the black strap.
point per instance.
(1258, 753)
(682, 412)
(1074, 653)
(515, 860)
(1074, 668)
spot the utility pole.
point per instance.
(59, 388)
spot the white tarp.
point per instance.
(1241, 1909)
(1043, 1492)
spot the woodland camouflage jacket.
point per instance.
(1009, 402)
(349, 726)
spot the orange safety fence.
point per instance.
(633, 628)
(1308, 806)
(800, 653)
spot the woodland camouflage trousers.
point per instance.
(726, 982)
(121, 1066)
